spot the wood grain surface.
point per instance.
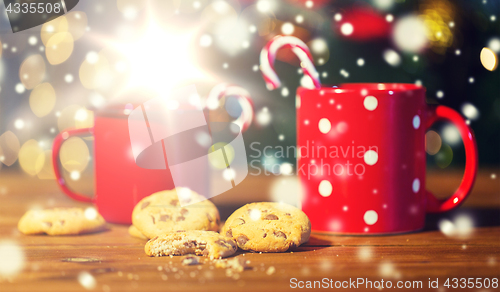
(117, 262)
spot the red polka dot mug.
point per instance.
(362, 159)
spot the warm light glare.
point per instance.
(159, 60)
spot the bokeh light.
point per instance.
(31, 157)
(47, 171)
(470, 111)
(286, 190)
(12, 257)
(392, 57)
(68, 118)
(9, 148)
(87, 280)
(444, 157)
(489, 59)
(32, 71)
(320, 51)
(51, 28)
(74, 154)
(451, 135)
(437, 14)
(218, 161)
(287, 28)
(95, 71)
(77, 23)
(263, 117)
(130, 8)
(383, 4)
(42, 99)
(493, 44)
(410, 34)
(432, 142)
(59, 48)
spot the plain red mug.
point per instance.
(119, 182)
(362, 158)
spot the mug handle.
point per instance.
(438, 113)
(56, 147)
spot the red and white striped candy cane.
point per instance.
(242, 96)
(268, 55)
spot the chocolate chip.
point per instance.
(239, 221)
(180, 218)
(144, 205)
(264, 236)
(174, 202)
(48, 224)
(288, 214)
(190, 244)
(154, 221)
(184, 211)
(210, 218)
(229, 233)
(242, 239)
(164, 217)
(280, 234)
(271, 217)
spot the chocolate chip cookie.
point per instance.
(268, 227)
(162, 212)
(206, 243)
(61, 221)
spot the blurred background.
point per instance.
(56, 76)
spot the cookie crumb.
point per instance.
(270, 270)
(237, 264)
(190, 260)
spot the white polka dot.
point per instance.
(371, 157)
(416, 185)
(370, 103)
(324, 125)
(325, 188)
(370, 217)
(416, 121)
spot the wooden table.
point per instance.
(117, 261)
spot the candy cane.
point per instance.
(242, 96)
(268, 55)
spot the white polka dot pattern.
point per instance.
(371, 157)
(416, 185)
(416, 122)
(324, 125)
(325, 188)
(370, 217)
(370, 103)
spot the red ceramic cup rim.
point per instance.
(371, 87)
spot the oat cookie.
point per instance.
(268, 227)
(61, 221)
(162, 212)
(133, 231)
(207, 243)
